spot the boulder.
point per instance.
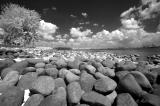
(150, 100)
(125, 99)
(129, 84)
(12, 96)
(61, 63)
(53, 72)
(59, 82)
(56, 99)
(74, 64)
(40, 65)
(62, 72)
(108, 63)
(75, 71)
(49, 65)
(70, 77)
(126, 66)
(19, 66)
(11, 78)
(112, 96)
(28, 69)
(121, 74)
(74, 92)
(105, 85)
(40, 71)
(6, 71)
(43, 85)
(95, 99)
(25, 82)
(107, 71)
(34, 100)
(87, 81)
(142, 80)
(33, 61)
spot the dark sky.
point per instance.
(101, 12)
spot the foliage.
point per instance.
(20, 24)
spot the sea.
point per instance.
(142, 52)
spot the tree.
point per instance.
(20, 24)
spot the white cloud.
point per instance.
(130, 23)
(76, 32)
(85, 15)
(46, 30)
(127, 12)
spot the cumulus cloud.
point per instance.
(130, 23)
(46, 30)
(76, 32)
(85, 15)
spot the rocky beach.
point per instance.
(45, 77)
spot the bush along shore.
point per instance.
(90, 81)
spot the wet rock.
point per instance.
(12, 96)
(43, 85)
(74, 92)
(142, 80)
(129, 84)
(104, 85)
(53, 72)
(40, 65)
(56, 99)
(87, 81)
(150, 100)
(59, 82)
(28, 69)
(94, 98)
(125, 99)
(25, 82)
(11, 78)
(34, 100)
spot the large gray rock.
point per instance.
(112, 96)
(28, 69)
(74, 92)
(87, 81)
(43, 85)
(126, 66)
(150, 100)
(11, 78)
(12, 96)
(70, 77)
(34, 100)
(104, 85)
(56, 99)
(142, 80)
(129, 84)
(108, 63)
(53, 72)
(61, 63)
(94, 98)
(125, 99)
(26, 80)
(59, 82)
(40, 65)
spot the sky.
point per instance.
(97, 23)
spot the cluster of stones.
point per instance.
(4, 53)
(56, 82)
